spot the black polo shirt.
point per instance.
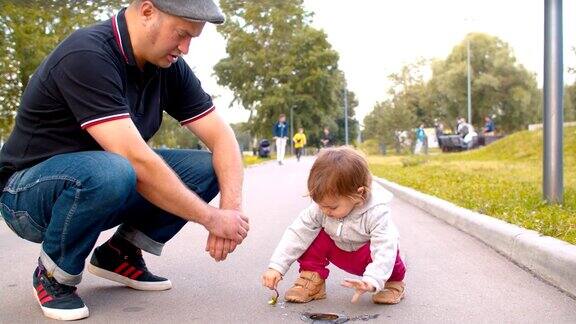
(92, 78)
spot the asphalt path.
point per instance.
(451, 278)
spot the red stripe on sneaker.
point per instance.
(121, 267)
(42, 294)
(129, 271)
(45, 300)
(136, 275)
(39, 288)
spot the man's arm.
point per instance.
(161, 186)
(227, 161)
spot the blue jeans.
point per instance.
(66, 201)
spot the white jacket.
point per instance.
(369, 222)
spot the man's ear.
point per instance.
(146, 10)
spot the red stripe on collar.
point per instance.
(118, 37)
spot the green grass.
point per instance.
(251, 159)
(503, 180)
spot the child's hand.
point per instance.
(270, 278)
(360, 287)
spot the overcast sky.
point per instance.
(377, 37)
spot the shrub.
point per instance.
(370, 147)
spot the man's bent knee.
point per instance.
(111, 176)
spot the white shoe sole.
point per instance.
(63, 314)
(134, 284)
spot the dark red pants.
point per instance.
(324, 251)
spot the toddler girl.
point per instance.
(349, 225)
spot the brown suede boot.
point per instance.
(392, 294)
(309, 286)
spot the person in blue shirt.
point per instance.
(489, 127)
(280, 133)
(420, 139)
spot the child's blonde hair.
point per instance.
(339, 172)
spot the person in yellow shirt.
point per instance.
(299, 142)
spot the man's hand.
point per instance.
(271, 278)
(225, 222)
(219, 248)
(228, 224)
(213, 131)
(359, 286)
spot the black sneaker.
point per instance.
(110, 263)
(57, 301)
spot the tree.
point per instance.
(10, 85)
(277, 62)
(31, 29)
(353, 124)
(409, 105)
(242, 133)
(500, 86)
(401, 113)
(172, 135)
(386, 121)
(410, 91)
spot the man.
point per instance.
(299, 142)
(77, 162)
(280, 132)
(327, 140)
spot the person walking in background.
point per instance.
(420, 139)
(327, 139)
(299, 142)
(280, 132)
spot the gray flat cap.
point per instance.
(196, 10)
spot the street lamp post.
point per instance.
(345, 114)
(469, 81)
(553, 92)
